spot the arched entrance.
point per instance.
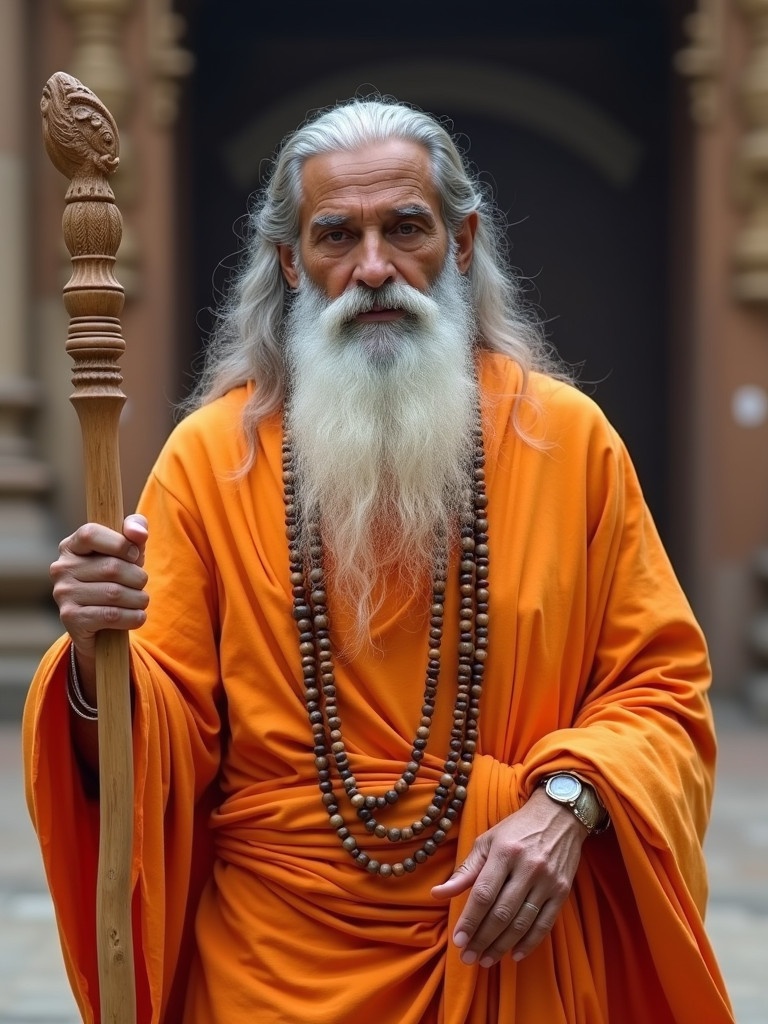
(565, 116)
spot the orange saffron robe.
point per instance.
(246, 907)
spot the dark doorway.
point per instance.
(565, 109)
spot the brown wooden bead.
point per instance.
(315, 649)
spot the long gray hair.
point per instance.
(246, 343)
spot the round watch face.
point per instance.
(564, 788)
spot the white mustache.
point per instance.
(362, 299)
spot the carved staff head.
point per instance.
(80, 135)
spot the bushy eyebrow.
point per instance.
(415, 210)
(338, 220)
(330, 220)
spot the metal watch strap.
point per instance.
(587, 806)
(594, 820)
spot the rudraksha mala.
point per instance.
(310, 609)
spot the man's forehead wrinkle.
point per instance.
(333, 188)
(362, 164)
(376, 176)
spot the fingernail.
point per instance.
(518, 956)
(468, 957)
(460, 939)
(133, 553)
(487, 961)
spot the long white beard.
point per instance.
(381, 417)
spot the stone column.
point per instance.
(751, 287)
(721, 269)
(28, 622)
(751, 252)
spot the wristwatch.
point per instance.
(568, 789)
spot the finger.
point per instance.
(90, 607)
(87, 607)
(538, 931)
(90, 620)
(489, 913)
(526, 925)
(93, 538)
(98, 594)
(72, 571)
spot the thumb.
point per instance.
(137, 519)
(135, 530)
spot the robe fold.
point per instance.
(246, 906)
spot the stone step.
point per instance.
(25, 635)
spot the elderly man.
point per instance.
(420, 713)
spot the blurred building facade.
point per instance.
(628, 149)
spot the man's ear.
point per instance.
(291, 275)
(465, 242)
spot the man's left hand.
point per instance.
(520, 873)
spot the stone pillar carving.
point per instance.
(28, 622)
(98, 62)
(169, 61)
(700, 62)
(750, 277)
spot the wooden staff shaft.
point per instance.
(82, 141)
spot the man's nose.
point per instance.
(374, 265)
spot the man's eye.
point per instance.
(408, 229)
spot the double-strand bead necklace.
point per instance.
(310, 609)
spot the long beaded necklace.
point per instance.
(310, 610)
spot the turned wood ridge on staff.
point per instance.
(82, 141)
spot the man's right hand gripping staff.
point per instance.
(98, 583)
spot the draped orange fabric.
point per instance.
(246, 906)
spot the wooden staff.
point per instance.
(82, 141)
